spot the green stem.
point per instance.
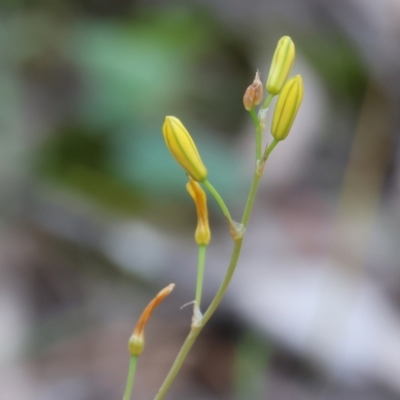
(267, 101)
(267, 152)
(217, 197)
(200, 273)
(258, 129)
(195, 330)
(253, 116)
(235, 253)
(269, 149)
(176, 366)
(131, 378)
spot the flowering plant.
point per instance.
(184, 150)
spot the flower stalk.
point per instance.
(200, 274)
(195, 330)
(131, 378)
(218, 198)
(136, 341)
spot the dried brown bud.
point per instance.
(254, 93)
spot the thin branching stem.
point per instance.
(196, 329)
(131, 378)
(200, 273)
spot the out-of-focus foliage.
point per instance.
(127, 76)
(339, 65)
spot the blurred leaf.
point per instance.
(133, 69)
(79, 160)
(338, 63)
(73, 146)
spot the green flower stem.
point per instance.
(235, 253)
(180, 358)
(253, 116)
(267, 101)
(131, 378)
(195, 330)
(258, 129)
(269, 149)
(200, 273)
(217, 197)
(258, 125)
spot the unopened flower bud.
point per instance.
(281, 65)
(136, 345)
(286, 107)
(202, 234)
(182, 147)
(136, 341)
(254, 93)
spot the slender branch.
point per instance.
(176, 366)
(267, 101)
(258, 130)
(268, 149)
(200, 273)
(131, 378)
(217, 197)
(253, 116)
(235, 253)
(258, 121)
(195, 330)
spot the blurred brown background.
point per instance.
(95, 218)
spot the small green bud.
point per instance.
(136, 345)
(183, 148)
(281, 65)
(286, 108)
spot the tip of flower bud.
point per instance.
(281, 64)
(183, 148)
(254, 93)
(167, 290)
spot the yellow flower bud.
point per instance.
(254, 93)
(202, 234)
(281, 65)
(136, 341)
(182, 147)
(286, 107)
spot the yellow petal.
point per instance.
(281, 65)
(202, 233)
(183, 148)
(288, 104)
